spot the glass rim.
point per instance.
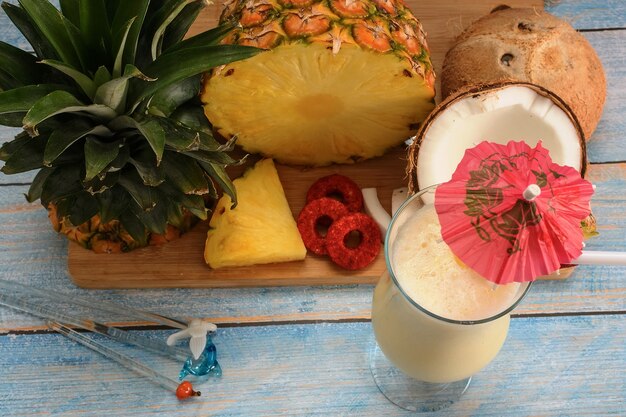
(392, 274)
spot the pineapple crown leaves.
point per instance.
(108, 104)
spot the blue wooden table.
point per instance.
(304, 351)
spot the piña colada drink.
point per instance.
(433, 317)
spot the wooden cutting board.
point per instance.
(180, 263)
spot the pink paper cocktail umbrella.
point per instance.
(512, 214)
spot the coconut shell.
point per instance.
(413, 151)
(532, 46)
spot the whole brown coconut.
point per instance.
(532, 46)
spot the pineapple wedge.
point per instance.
(260, 230)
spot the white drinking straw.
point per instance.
(601, 258)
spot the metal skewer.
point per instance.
(182, 390)
(156, 346)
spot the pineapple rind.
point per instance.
(260, 229)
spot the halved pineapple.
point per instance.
(340, 80)
(260, 229)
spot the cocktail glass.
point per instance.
(422, 361)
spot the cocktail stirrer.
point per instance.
(156, 346)
(100, 305)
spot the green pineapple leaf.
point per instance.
(7, 81)
(207, 38)
(179, 137)
(212, 157)
(134, 226)
(61, 140)
(218, 173)
(101, 183)
(98, 155)
(175, 214)
(18, 101)
(34, 191)
(9, 148)
(150, 174)
(155, 219)
(119, 56)
(49, 21)
(179, 27)
(144, 196)
(113, 93)
(173, 67)
(20, 65)
(188, 177)
(192, 116)
(83, 207)
(101, 76)
(63, 182)
(95, 29)
(121, 160)
(25, 24)
(126, 37)
(195, 204)
(59, 102)
(149, 128)
(192, 202)
(28, 156)
(161, 20)
(84, 82)
(70, 10)
(168, 99)
(112, 202)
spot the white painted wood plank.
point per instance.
(548, 366)
(31, 252)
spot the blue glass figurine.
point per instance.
(203, 359)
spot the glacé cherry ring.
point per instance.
(337, 185)
(367, 249)
(321, 212)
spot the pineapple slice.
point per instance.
(260, 230)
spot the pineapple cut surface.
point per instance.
(339, 81)
(260, 229)
(305, 105)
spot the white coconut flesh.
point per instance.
(516, 113)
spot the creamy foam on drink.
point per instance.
(434, 278)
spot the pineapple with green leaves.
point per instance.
(107, 103)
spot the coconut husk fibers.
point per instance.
(532, 46)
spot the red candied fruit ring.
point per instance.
(335, 184)
(317, 212)
(366, 251)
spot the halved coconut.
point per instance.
(498, 113)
